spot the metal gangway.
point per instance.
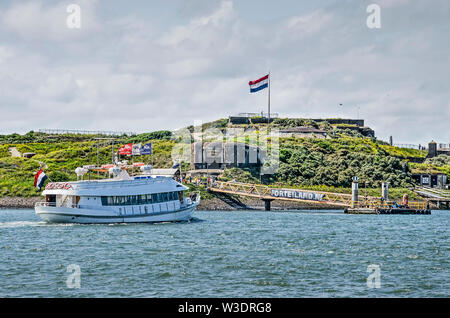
(266, 193)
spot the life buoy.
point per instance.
(60, 185)
(67, 186)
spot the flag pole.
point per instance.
(268, 102)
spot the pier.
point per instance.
(351, 203)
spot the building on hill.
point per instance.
(222, 155)
(435, 150)
(432, 180)
(303, 132)
(342, 123)
(252, 118)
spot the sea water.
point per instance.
(229, 254)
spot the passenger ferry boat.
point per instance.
(121, 199)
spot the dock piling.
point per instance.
(355, 193)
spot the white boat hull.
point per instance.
(89, 216)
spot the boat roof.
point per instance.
(138, 185)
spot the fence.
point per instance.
(261, 114)
(410, 146)
(86, 132)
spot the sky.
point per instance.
(149, 65)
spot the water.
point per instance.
(229, 254)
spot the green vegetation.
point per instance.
(403, 152)
(317, 164)
(439, 164)
(320, 163)
(60, 160)
(159, 135)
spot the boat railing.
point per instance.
(374, 204)
(73, 206)
(45, 204)
(116, 184)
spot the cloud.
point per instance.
(129, 72)
(391, 3)
(309, 24)
(32, 20)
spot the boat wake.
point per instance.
(15, 224)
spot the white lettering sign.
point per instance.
(293, 194)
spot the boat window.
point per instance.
(142, 199)
(50, 198)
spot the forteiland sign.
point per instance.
(293, 194)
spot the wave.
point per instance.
(14, 224)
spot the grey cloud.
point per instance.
(131, 73)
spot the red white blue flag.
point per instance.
(259, 84)
(39, 179)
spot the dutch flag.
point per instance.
(39, 179)
(259, 84)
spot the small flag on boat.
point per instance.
(175, 166)
(259, 84)
(39, 179)
(146, 149)
(126, 149)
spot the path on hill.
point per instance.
(14, 152)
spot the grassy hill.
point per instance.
(321, 164)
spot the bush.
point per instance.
(58, 176)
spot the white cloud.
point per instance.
(33, 20)
(6, 53)
(131, 73)
(391, 3)
(308, 24)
